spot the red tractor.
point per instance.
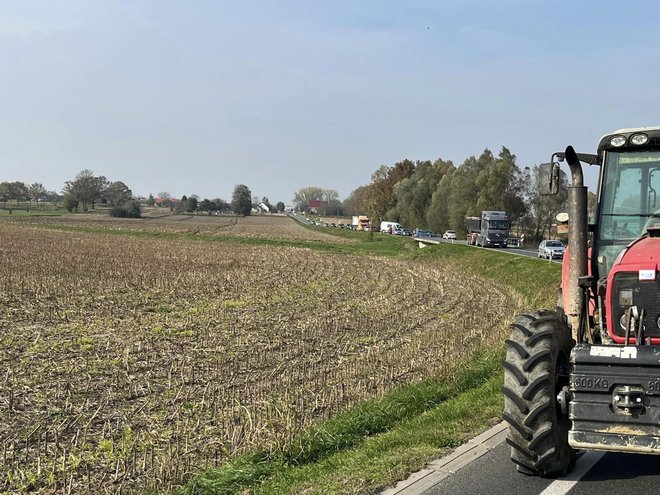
(586, 376)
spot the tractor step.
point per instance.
(615, 398)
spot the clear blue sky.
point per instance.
(194, 97)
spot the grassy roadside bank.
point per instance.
(378, 442)
(371, 447)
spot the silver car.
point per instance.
(551, 249)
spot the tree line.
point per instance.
(17, 191)
(242, 203)
(87, 189)
(437, 195)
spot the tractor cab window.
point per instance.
(654, 187)
(629, 200)
(630, 187)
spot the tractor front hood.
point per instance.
(633, 281)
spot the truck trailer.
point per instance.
(472, 228)
(360, 222)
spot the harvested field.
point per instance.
(277, 227)
(132, 363)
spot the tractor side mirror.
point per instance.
(549, 178)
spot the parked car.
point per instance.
(422, 233)
(449, 234)
(550, 249)
(406, 231)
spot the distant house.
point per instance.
(316, 204)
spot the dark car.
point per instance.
(422, 233)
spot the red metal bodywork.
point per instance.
(643, 254)
(565, 280)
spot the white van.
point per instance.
(389, 227)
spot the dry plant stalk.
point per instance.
(130, 362)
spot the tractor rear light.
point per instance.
(639, 139)
(617, 141)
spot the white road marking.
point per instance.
(582, 467)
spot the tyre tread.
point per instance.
(538, 437)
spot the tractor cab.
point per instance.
(628, 192)
(587, 375)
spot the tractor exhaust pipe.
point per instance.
(577, 240)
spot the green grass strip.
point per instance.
(32, 212)
(535, 280)
(384, 459)
(371, 445)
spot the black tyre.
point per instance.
(535, 370)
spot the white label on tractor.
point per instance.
(647, 274)
(624, 352)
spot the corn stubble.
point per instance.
(129, 364)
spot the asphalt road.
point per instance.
(596, 473)
(300, 218)
(510, 250)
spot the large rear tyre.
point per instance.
(535, 371)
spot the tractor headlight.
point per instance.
(622, 321)
(617, 141)
(639, 139)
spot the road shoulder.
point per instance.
(417, 483)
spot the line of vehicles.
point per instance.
(396, 229)
(491, 229)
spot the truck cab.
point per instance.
(494, 230)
